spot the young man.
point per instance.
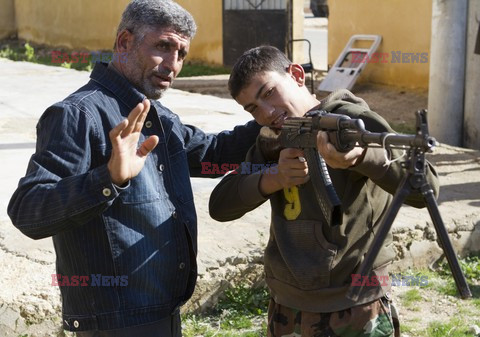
(121, 215)
(308, 262)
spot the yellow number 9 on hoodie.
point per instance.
(292, 208)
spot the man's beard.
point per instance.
(149, 90)
(143, 84)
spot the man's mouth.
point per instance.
(278, 122)
(163, 80)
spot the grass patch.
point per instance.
(410, 298)
(471, 269)
(469, 265)
(191, 69)
(403, 128)
(240, 313)
(407, 328)
(454, 328)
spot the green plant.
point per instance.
(240, 313)
(406, 327)
(237, 321)
(245, 300)
(196, 326)
(470, 267)
(410, 297)
(29, 53)
(190, 69)
(8, 53)
(453, 328)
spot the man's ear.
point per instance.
(124, 41)
(298, 74)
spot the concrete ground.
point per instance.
(29, 304)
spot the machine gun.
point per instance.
(301, 132)
(345, 133)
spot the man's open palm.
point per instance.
(128, 159)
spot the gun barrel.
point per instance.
(389, 139)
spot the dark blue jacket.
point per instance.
(136, 244)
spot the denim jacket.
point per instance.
(125, 255)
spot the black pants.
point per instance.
(167, 327)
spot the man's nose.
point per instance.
(171, 62)
(268, 109)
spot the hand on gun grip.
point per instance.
(292, 170)
(334, 158)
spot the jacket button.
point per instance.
(148, 124)
(76, 324)
(107, 192)
(161, 167)
(174, 214)
(181, 265)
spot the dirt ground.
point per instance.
(397, 106)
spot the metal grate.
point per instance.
(255, 4)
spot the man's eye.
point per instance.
(182, 54)
(252, 109)
(269, 92)
(163, 46)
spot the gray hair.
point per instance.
(142, 15)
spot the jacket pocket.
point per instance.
(299, 254)
(146, 187)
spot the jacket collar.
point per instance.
(110, 79)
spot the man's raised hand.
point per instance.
(128, 159)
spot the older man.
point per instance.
(121, 215)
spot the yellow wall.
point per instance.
(7, 18)
(207, 44)
(73, 24)
(297, 30)
(404, 26)
(87, 25)
(92, 24)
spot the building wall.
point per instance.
(72, 24)
(405, 27)
(471, 119)
(86, 25)
(83, 25)
(7, 19)
(207, 44)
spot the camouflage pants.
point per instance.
(375, 319)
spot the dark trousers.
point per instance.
(167, 327)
